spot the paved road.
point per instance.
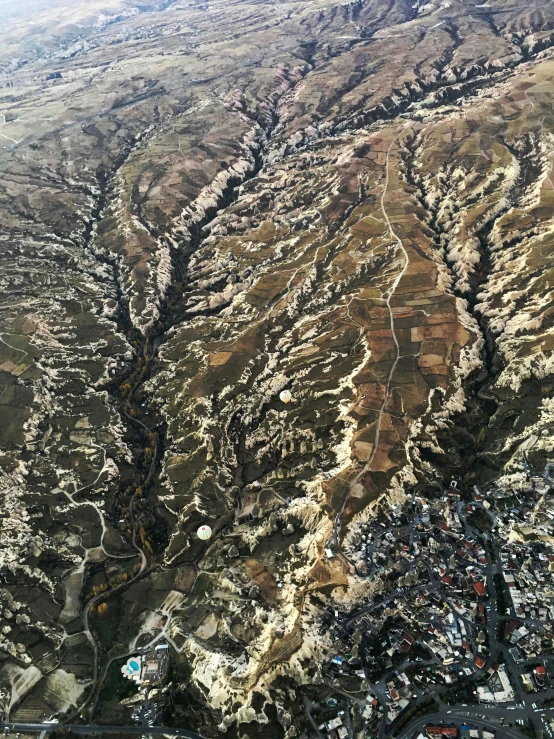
(457, 716)
(77, 729)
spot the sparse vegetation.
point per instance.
(204, 205)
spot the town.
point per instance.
(459, 642)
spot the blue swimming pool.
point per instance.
(134, 665)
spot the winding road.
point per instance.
(458, 714)
(77, 729)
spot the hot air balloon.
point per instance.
(204, 533)
(285, 396)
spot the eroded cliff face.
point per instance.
(202, 206)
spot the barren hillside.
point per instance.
(203, 204)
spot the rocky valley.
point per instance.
(281, 269)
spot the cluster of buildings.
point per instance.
(334, 728)
(528, 642)
(453, 731)
(330, 717)
(442, 596)
(535, 679)
(462, 604)
(527, 568)
(498, 688)
(372, 714)
(399, 693)
(150, 668)
(450, 637)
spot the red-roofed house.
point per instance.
(434, 732)
(480, 587)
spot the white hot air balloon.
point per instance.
(285, 396)
(204, 533)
